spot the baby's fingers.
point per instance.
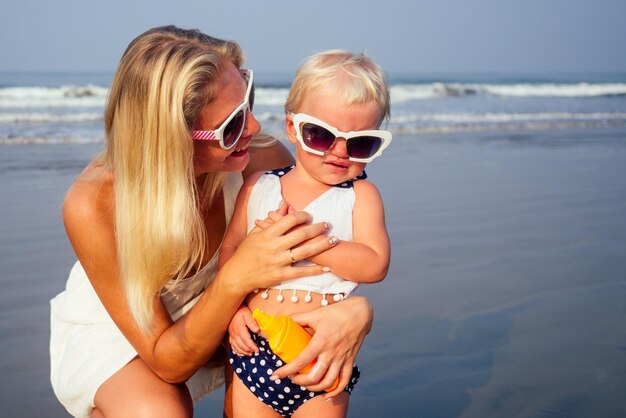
(243, 344)
(251, 324)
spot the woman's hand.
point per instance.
(239, 332)
(340, 329)
(265, 257)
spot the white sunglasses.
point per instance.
(317, 137)
(230, 131)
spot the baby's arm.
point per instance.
(366, 258)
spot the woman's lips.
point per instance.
(240, 153)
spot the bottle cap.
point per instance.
(268, 323)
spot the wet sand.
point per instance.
(505, 295)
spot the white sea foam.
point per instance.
(482, 122)
(95, 96)
(270, 96)
(23, 140)
(49, 117)
(73, 113)
(408, 92)
(452, 118)
(557, 90)
(527, 126)
(50, 97)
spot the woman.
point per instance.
(145, 309)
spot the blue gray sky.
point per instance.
(412, 36)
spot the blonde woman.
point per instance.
(138, 330)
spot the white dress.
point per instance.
(86, 347)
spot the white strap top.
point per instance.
(334, 206)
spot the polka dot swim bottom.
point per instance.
(281, 394)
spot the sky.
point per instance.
(404, 36)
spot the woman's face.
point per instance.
(208, 156)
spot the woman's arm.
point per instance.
(366, 258)
(238, 335)
(174, 351)
(238, 227)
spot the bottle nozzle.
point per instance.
(268, 323)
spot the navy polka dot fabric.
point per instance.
(346, 185)
(282, 394)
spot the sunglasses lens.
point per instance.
(363, 146)
(316, 137)
(233, 130)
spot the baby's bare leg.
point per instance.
(246, 405)
(336, 407)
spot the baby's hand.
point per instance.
(274, 215)
(239, 336)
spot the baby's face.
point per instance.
(334, 166)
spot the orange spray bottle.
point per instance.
(286, 338)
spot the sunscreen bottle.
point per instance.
(286, 338)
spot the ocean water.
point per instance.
(505, 202)
(55, 108)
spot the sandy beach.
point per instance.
(505, 295)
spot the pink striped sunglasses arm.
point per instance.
(203, 135)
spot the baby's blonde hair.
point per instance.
(355, 77)
(166, 76)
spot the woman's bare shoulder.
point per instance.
(90, 199)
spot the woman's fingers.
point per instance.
(274, 215)
(344, 378)
(324, 373)
(289, 273)
(301, 234)
(340, 329)
(287, 222)
(276, 224)
(313, 246)
(292, 368)
(262, 223)
(322, 377)
(265, 257)
(294, 229)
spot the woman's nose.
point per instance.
(253, 126)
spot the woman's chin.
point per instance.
(238, 160)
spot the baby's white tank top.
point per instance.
(334, 206)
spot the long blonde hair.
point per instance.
(165, 78)
(356, 78)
